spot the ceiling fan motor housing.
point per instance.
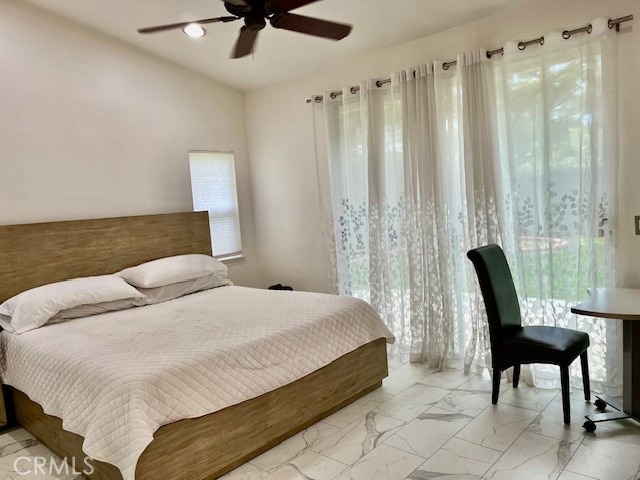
(254, 14)
(254, 22)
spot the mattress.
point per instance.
(117, 377)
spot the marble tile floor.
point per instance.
(428, 425)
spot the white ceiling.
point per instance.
(279, 54)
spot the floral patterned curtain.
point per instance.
(400, 215)
(518, 151)
(559, 163)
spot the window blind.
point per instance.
(213, 185)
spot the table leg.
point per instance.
(630, 407)
(631, 373)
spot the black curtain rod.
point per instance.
(566, 34)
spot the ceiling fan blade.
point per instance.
(311, 26)
(287, 5)
(244, 44)
(171, 26)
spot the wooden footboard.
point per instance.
(210, 446)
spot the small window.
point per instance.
(213, 185)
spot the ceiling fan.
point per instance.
(255, 14)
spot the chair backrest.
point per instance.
(498, 291)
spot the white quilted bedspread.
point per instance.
(116, 378)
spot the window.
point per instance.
(213, 186)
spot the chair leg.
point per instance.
(566, 402)
(584, 362)
(497, 374)
(516, 375)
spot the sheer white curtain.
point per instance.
(468, 120)
(365, 175)
(400, 209)
(425, 219)
(518, 151)
(559, 163)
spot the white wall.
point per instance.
(280, 132)
(90, 127)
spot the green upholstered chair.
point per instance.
(512, 344)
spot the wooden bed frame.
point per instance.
(194, 449)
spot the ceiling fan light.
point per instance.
(194, 30)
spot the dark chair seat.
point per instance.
(511, 343)
(559, 346)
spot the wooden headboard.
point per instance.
(36, 254)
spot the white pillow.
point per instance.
(34, 308)
(176, 290)
(96, 309)
(170, 270)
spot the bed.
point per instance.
(197, 446)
